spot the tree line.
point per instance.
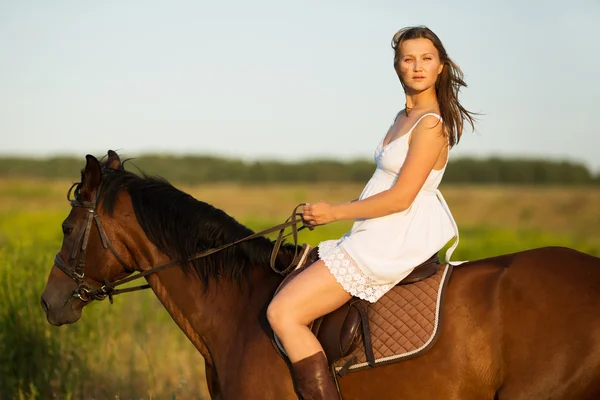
(200, 168)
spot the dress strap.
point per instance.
(419, 120)
(395, 119)
(455, 244)
(410, 131)
(426, 114)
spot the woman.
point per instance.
(401, 219)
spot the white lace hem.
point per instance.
(348, 274)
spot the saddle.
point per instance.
(402, 324)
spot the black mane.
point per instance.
(181, 226)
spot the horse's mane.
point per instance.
(181, 226)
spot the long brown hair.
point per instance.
(447, 85)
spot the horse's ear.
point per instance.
(114, 162)
(91, 177)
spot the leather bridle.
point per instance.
(75, 268)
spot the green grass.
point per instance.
(130, 349)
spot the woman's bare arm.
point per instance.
(426, 145)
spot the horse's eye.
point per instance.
(67, 231)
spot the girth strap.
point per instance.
(363, 309)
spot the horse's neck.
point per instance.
(160, 288)
(227, 323)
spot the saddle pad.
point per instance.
(404, 323)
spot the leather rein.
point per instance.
(76, 265)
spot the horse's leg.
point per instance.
(212, 381)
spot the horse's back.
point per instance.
(548, 301)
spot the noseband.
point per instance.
(75, 268)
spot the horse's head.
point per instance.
(87, 260)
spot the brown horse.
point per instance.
(518, 326)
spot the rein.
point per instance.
(75, 268)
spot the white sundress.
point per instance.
(378, 253)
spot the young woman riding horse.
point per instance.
(401, 217)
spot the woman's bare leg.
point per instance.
(312, 294)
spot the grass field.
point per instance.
(132, 349)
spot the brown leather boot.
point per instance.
(313, 378)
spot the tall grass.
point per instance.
(132, 349)
(128, 350)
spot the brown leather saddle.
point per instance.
(339, 332)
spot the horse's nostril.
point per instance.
(44, 305)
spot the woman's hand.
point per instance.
(320, 213)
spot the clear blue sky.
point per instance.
(288, 80)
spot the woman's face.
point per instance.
(419, 65)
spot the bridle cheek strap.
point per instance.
(75, 269)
